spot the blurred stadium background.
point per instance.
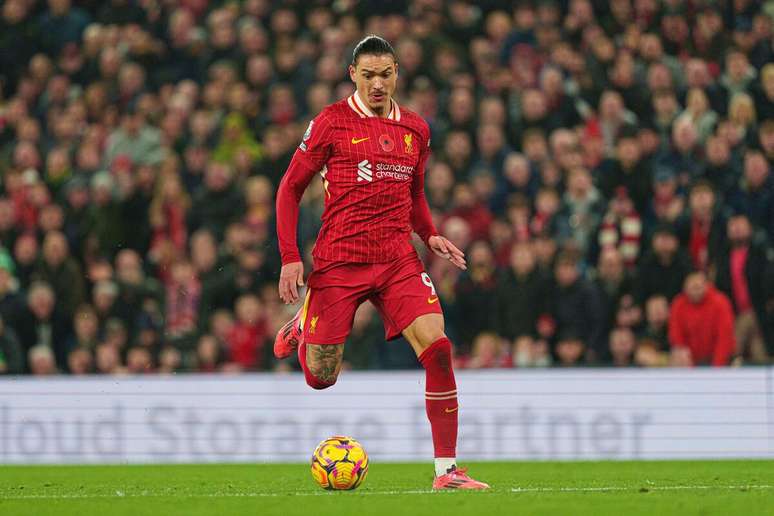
(589, 156)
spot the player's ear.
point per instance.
(352, 72)
(396, 68)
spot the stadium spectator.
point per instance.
(579, 317)
(218, 202)
(620, 229)
(656, 325)
(10, 300)
(41, 324)
(647, 354)
(488, 351)
(627, 170)
(701, 323)
(108, 360)
(60, 24)
(754, 195)
(85, 328)
(247, 338)
(701, 230)
(667, 203)
(622, 347)
(104, 296)
(135, 142)
(475, 296)
(766, 138)
(360, 350)
(663, 269)
(139, 361)
(138, 295)
(581, 211)
(531, 352)
(520, 293)
(472, 210)
(544, 215)
(106, 227)
(209, 354)
(60, 271)
(116, 335)
(41, 360)
(183, 294)
(699, 112)
(719, 170)
(743, 271)
(25, 255)
(764, 93)
(80, 361)
(11, 354)
(612, 283)
(170, 360)
(570, 349)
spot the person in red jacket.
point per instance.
(246, 340)
(701, 324)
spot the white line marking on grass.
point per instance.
(514, 490)
(631, 488)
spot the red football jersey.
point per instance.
(372, 170)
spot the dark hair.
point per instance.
(374, 45)
(702, 184)
(627, 132)
(566, 257)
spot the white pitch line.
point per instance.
(514, 490)
(121, 494)
(632, 488)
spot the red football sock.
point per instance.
(441, 396)
(311, 379)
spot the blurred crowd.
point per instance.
(605, 164)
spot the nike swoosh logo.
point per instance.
(355, 141)
(431, 300)
(451, 410)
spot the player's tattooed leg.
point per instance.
(324, 361)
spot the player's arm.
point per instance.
(309, 159)
(422, 220)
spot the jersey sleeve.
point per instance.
(309, 158)
(317, 143)
(421, 220)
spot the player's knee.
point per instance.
(428, 335)
(434, 335)
(321, 364)
(317, 384)
(425, 330)
(317, 378)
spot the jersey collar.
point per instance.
(360, 107)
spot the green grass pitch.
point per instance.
(552, 488)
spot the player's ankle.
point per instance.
(444, 465)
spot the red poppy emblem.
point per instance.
(386, 142)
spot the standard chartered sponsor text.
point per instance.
(394, 171)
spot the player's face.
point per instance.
(375, 77)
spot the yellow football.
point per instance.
(339, 462)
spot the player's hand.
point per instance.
(291, 277)
(445, 249)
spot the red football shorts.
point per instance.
(400, 290)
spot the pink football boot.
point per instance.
(289, 337)
(457, 478)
